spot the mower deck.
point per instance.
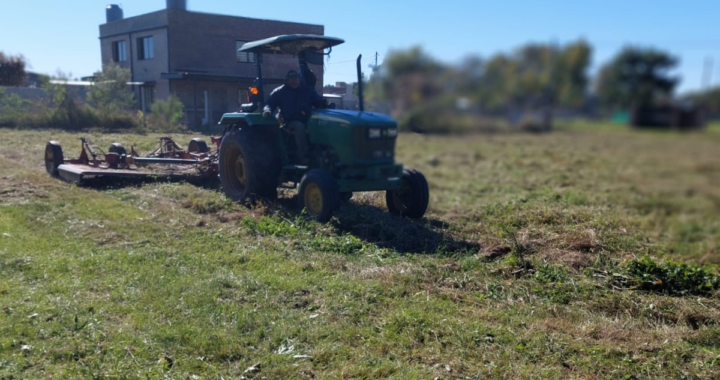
(75, 173)
(170, 161)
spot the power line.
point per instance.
(355, 59)
(352, 60)
(343, 75)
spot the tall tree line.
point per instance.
(533, 74)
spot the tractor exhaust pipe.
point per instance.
(361, 101)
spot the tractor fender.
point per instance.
(250, 119)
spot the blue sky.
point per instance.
(63, 35)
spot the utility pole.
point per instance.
(374, 67)
(707, 73)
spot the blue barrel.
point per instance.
(113, 12)
(177, 4)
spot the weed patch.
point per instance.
(671, 277)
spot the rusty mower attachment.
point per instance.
(169, 160)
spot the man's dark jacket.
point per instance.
(295, 104)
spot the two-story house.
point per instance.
(194, 56)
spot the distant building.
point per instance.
(345, 91)
(194, 56)
(677, 116)
(34, 80)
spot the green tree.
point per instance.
(572, 80)
(532, 71)
(165, 115)
(497, 86)
(13, 107)
(408, 78)
(636, 77)
(708, 99)
(12, 70)
(110, 93)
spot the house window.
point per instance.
(145, 48)
(119, 54)
(243, 56)
(147, 98)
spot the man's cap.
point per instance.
(292, 74)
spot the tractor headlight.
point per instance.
(392, 132)
(374, 133)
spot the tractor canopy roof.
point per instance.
(290, 44)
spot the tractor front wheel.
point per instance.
(411, 199)
(319, 195)
(53, 157)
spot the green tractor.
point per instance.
(350, 150)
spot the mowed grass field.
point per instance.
(585, 253)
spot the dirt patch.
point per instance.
(573, 259)
(495, 252)
(20, 192)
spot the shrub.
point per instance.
(60, 110)
(13, 108)
(444, 117)
(166, 115)
(110, 94)
(672, 277)
(534, 123)
(68, 115)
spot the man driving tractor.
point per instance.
(295, 100)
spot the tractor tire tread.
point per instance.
(420, 198)
(262, 160)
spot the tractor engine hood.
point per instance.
(350, 117)
(357, 137)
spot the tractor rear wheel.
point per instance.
(411, 199)
(53, 157)
(319, 195)
(249, 164)
(198, 145)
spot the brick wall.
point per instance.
(206, 42)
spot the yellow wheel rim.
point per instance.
(240, 171)
(313, 199)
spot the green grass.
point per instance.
(589, 252)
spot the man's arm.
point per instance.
(272, 102)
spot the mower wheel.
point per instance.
(117, 148)
(249, 164)
(198, 145)
(345, 196)
(411, 200)
(53, 158)
(319, 194)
